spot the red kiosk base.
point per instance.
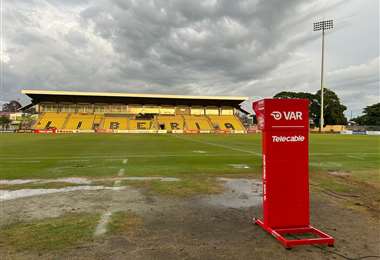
(285, 148)
(323, 238)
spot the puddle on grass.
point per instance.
(74, 180)
(16, 182)
(149, 178)
(81, 181)
(239, 193)
(21, 193)
(15, 194)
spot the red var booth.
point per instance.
(285, 153)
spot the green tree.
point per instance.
(314, 103)
(26, 122)
(4, 122)
(12, 106)
(371, 115)
(333, 109)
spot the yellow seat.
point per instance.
(170, 122)
(80, 121)
(136, 124)
(120, 123)
(50, 120)
(197, 123)
(226, 122)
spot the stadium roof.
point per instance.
(38, 96)
(31, 93)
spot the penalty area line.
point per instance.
(218, 145)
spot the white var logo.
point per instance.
(288, 115)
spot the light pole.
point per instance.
(322, 26)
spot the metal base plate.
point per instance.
(322, 238)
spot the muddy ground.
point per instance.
(201, 227)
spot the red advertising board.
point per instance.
(285, 158)
(45, 131)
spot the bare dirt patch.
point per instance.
(160, 227)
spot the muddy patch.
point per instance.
(207, 227)
(95, 201)
(239, 193)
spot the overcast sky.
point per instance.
(251, 48)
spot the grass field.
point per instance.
(53, 156)
(194, 158)
(345, 168)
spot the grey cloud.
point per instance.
(349, 82)
(198, 47)
(173, 40)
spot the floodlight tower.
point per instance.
(323, 26)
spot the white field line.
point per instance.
(94, 165)
(112, 160)
(101, 228)
(121, 172)
(356, 157)
(239, 166)
(344, 154)
(30, 161)
(326, 164)
(218, 145)
(70, 160)
(4, 159)
(116, 157)
(199, 151)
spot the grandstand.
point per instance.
(69, 111)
